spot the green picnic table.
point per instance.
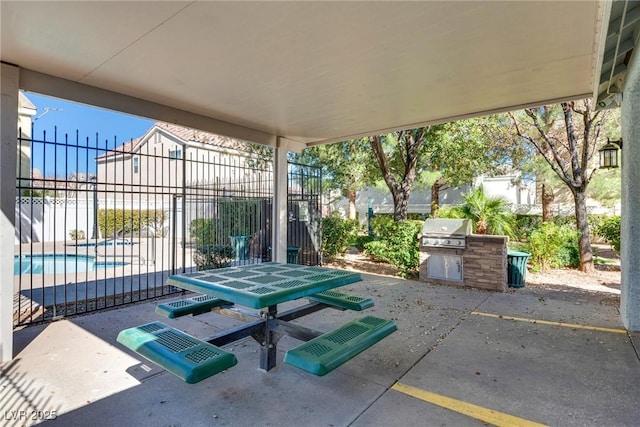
(263, 287)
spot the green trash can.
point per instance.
(292, 254)
(517, 268)
(240, 245)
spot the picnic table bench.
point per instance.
(263, 287)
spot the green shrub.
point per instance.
(397, 244)
(524, 225)
(377, 250)
(595, 221)
(212, 248)
(120, 221)
(560, 220)
(553, 246)
(213, 256)
(449, 211)
(337, 233)
(416, 216)
(203, 231)
(360, 240)
(569, 254)
(383, 225)
(76, 234)
(609, 230)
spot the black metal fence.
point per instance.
(100, 225)
(305, 213)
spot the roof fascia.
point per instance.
(602, 29)
(66, 89)
(453, 118)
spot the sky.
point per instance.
(66, 117)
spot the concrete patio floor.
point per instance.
(460, 357)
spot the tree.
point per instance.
(345, 167)
(566, 137)
(460, 151)
(449, 154)
(397, 154)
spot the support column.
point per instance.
(630, 231)
(9, 82)
(280, 176)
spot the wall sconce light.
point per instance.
(609, 154)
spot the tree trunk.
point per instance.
(547, 203)
(584, 240)
(435, 197)
(400, 189)
(400, 203)
(352, 203)
(481, 226)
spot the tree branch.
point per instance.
(556, 161)
(576, 170)
(376, 144)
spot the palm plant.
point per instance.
(490, 215)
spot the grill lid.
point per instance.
(452, 227)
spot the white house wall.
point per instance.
(380, 200)
(505, 186)
(26, 110)
(206, 167)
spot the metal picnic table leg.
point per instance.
(268, 348)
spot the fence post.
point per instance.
(280, 204)
(174, 208)
(184, 209)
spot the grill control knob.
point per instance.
(448, 242)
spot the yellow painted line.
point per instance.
(490, 416)
(546, 322)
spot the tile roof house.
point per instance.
(171, 159)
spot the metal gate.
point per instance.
(305, 214)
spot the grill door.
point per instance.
(444, 267)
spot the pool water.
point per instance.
(58, 264)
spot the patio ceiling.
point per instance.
(311, 72)
(621, 38)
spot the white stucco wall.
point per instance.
(630, 231)
(420, 201)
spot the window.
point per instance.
(175, 154)
(135, 165)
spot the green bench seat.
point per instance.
(323, 354)
(186, 357)
(346, 301)
(195, 305)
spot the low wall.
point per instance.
(484, 263)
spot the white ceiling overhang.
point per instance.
(308, 72)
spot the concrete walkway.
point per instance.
(460, 357)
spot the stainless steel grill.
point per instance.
(445, 233)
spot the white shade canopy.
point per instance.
(311, 72)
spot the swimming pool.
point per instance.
(59, 263)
